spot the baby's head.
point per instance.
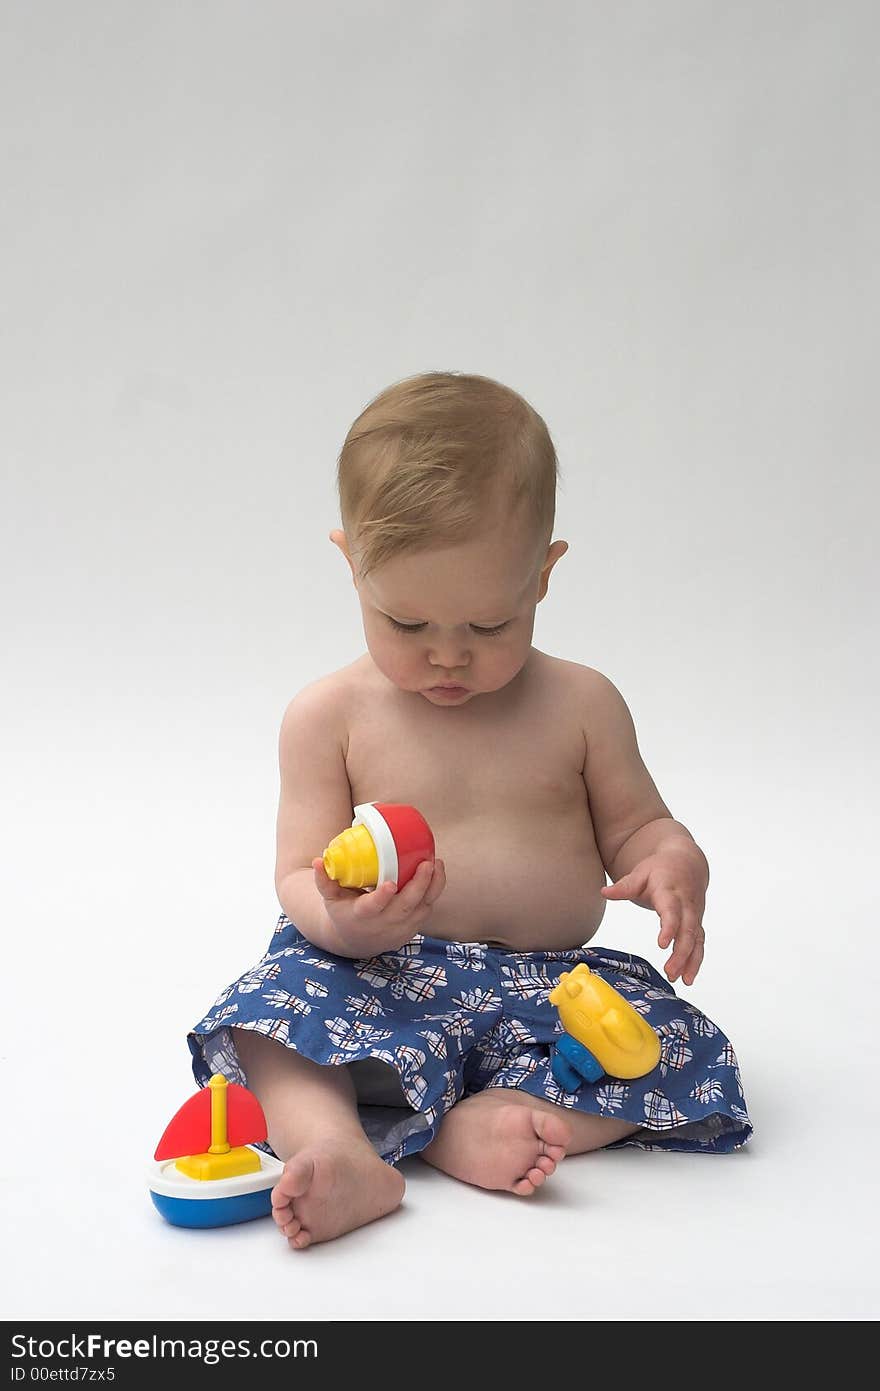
(447, 490)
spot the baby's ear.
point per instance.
(554, 553)
(339, 539)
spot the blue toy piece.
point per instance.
(571, 1064)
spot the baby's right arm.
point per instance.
(315, 804)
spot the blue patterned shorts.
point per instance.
(437, 1021)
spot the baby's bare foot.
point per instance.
(331, 1187)
(499, 1144)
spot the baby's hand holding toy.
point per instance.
(389, 851)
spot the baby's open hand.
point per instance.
(384, 918)
(674, 885)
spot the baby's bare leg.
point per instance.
(504, 1138)
(333, 1179)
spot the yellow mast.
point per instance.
(219, 1142)
(220, 1160)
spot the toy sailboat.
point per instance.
(205, 1173)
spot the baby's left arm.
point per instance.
(652, 858)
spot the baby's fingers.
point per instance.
(688, 940)
(629, 886)
(411, 895)
(327, 887)
(404, 900)
(437, 883)
(669, 908)
(693, 964)
(371, 904)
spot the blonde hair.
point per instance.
(429, 455)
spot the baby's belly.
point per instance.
(528, 888)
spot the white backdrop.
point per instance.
(226, 226)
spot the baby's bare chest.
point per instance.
(465, 768)
(506, 801)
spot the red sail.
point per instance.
(245, 1121)
(189, 1131)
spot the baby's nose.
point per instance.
(449, 652)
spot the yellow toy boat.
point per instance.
(603, 1033)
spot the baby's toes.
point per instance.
(289, 1226)
(523, 1187)
(282, 1212)
(555, 1153)
(553, 1131)
(546, 1164)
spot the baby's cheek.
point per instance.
(504, 666)
(397, 666)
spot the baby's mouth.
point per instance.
(450, 691)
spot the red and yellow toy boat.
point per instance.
(205, 1173)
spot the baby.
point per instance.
(387, 1023)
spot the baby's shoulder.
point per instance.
(588, 694)
(328, 700)
(558, 673)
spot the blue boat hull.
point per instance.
(213, 1212)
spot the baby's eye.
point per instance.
(417, 627)
(405, 627)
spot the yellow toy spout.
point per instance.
(595, 1014)
(352, 860)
